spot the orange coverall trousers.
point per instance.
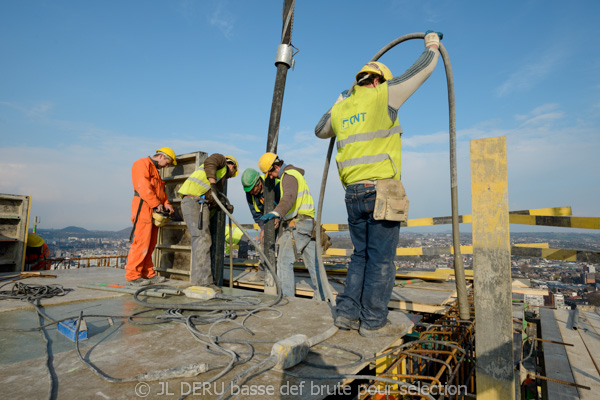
(139, 259)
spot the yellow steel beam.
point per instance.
(467, 219)
(430, 251)
(559, 254)
(558, 221)
(527, 217)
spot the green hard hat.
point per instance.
(249, 179)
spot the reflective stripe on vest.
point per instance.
(254, 198)
(368, 141)
(304, 204)
(258, 210)
(197, 184)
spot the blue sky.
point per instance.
(86, 88)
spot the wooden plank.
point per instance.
(582, 366)
(589, 330)
(426, 297)
(491, 264)
(555, 360)
(541, 292)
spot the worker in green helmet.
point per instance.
(254, 183)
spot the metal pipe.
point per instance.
(230, 254)
(272, 138)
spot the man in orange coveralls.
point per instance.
(149, 195)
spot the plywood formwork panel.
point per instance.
(555, 360)
(582, 354)
(14, 223)
(172, 256)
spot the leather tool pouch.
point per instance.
(325, 239)
(391, 203)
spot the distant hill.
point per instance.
(74, 229)
(124, 233)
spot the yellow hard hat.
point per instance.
(34, 240)
(160, 219)
(266, 162)
(377, 68)
(232, 159)
(168, 151)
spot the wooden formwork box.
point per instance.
(14, 224)
(172, 256)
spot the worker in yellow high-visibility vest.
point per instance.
(295, 213)
(239, 242)
(197, 202)
(365, 124)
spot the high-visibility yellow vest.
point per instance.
(197, 183)
(255, 198)
(304, 204)
(368, 141)
(237, 235)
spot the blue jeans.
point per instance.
(285, 258)
(371, 273)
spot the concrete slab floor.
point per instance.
(125, 350)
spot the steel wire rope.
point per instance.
(288, 20)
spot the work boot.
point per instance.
(346, 323)
(139, 282)
(156, 279)
(388, 329)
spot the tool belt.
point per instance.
(391, 203)
(208, 199)
(291, 223)
(291, 226)
(325, 239)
